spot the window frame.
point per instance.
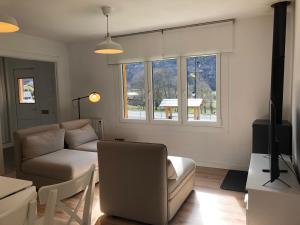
(181, 89)
(121, 111)
(185, 120)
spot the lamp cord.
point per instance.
(107, 33)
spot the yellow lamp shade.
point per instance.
(8, 24)
(94, 97)
(108, 51)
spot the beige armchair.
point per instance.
(41, 156)
(135, 182)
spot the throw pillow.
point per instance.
(80, 136)
(172, 175)
(42, 143)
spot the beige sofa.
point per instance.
(42, 157)
(137, 181)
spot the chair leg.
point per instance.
(50, 208)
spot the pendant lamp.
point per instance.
(8, 24)
(108, 46)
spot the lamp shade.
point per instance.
(8, 24)
(94, 97)
(108, 47)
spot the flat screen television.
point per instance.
(277, 80)
(273, 145)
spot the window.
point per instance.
(134, 102)
(153, 90)
(26, 90)
(202, 88)
(164, 89)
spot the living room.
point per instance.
(160, 89)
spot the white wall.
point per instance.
(24, 46)
(246, 89)
(18, 45)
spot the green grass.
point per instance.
(135, 107)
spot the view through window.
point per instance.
(26, 90)
(201, 88)
(164, 82)
(134, 101)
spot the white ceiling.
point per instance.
(79, 20)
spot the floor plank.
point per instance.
(206, 205)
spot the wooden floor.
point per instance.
(207, 204)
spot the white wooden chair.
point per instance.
(19, 209)
(53, 195)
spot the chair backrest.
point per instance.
(20, 134)
(19, 209)
(133, 180)
(53, 195)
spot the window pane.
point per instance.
(164, 82)
(26, 90)
(201, 86)
(134, 91)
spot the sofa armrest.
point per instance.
(133, 181)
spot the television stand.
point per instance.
(273, 203)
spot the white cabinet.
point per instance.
(274, 203)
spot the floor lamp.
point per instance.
(94, 97)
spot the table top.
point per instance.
(10, 186)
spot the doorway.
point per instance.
(28, 99)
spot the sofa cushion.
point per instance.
(90, 146)
(80, 136)
(63, 165)
(38, 144)
(171, 170)
(74, 124)
(184, 167)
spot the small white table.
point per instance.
(9, 186)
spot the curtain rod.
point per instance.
(175, 28)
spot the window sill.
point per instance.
(174, 123)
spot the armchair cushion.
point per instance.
(62, 165)
(42, 143)
(80, 136)
(184, 167)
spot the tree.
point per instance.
(164, 85)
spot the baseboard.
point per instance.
(223, 166)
